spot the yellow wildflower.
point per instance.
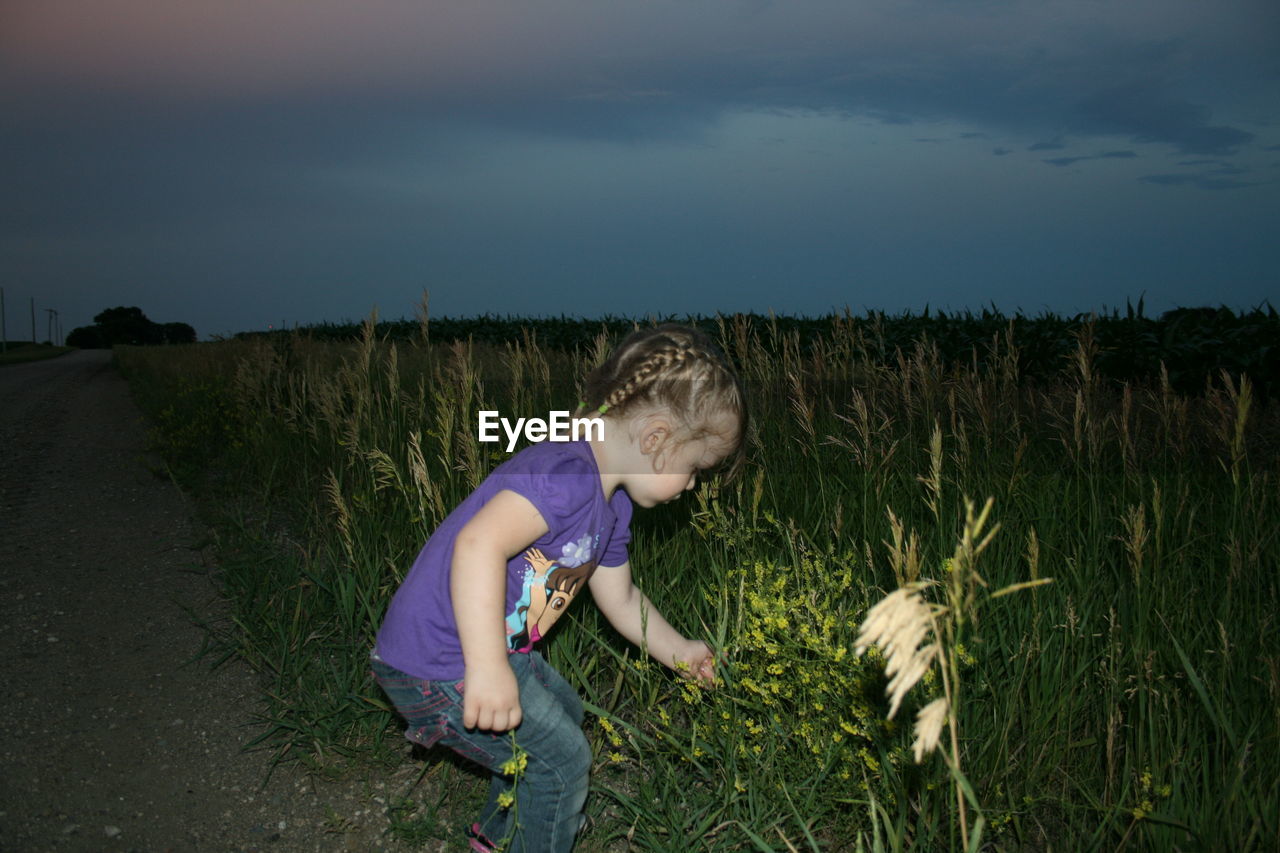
(516, 764)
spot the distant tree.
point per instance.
(128, 326)
(86, 337)
(177, 333)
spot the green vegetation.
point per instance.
(1131, 702)
(1191, 345)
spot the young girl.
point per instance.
(457, 651)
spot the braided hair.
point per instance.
(677, 368)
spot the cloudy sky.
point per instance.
(236, 164)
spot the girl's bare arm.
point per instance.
(633, 615)
(506, 525)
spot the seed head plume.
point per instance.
(897, 625)
(928, 729)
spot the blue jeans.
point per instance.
(547, 813)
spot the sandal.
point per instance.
(478, 841)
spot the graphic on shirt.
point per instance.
(549, 588)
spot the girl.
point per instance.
(456, 653)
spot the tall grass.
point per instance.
(1131, 703)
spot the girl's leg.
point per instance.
(433, 711)
(561, 689)
(497, 823)
(550, 796)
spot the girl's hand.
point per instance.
(491, 700)
(698, 662)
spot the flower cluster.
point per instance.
(513, 768)
(793, 708)
(793, 691)
(1148, 793)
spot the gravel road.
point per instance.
(112, 737)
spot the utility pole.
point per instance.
(49, 332)
(33, 320)
(4, 326)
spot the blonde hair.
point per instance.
(677, 368)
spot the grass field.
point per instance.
(1127, 697)
(19, 352)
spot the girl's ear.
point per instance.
(653, 438)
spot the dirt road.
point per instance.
(111, 736)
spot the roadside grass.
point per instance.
(21, 352)
(1130, 703)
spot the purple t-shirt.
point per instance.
(420, 636)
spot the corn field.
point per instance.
(1127, 696)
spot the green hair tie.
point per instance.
(604, 407)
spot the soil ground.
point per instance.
(114, 733)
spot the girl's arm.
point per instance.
(504, 527)
(634, 616)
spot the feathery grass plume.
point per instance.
(1009, 373)
(897, 625)
(928, 729)
(803, 409)
(599, 351)
(1235, 415)
(431, 508)
(961, 455)
(933, 482)
(384, 471)
(342, 516)
(1078, 419)
(422, 313)
(904, 551)
(1128, 450)
(1136, 535)
(536, 359)
(859, 418)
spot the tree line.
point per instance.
(128, 326)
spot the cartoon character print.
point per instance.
(549, 588)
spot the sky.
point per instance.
(244, 164)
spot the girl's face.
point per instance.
(675, 469)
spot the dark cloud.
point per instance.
(1106, 155)
(328, 147)
(582, 70)
(109, 167)
(1202, 181)
(1150, 113)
